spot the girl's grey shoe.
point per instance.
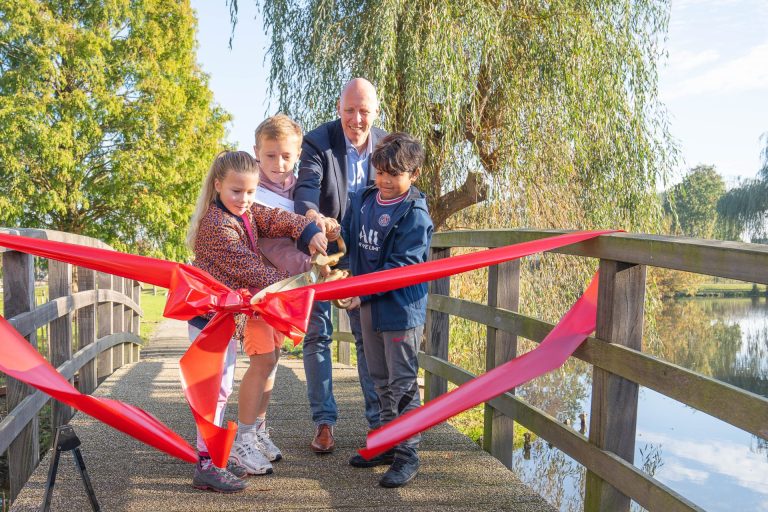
(210, 478)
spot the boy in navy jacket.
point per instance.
(387, 226)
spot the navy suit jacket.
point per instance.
(322, 183)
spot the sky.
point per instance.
(714, 83)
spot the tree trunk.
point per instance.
(474, 190)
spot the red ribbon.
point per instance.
(559, 344)
(23, 362)
(193, 292)
(392, 279)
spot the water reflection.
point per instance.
(717, 466)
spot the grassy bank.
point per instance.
(152, 306)
(730, 288)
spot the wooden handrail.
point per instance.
(733, 260)
(29, 322)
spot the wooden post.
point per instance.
(60, 340)
(137, 299)
(118, 325)
(136, 321)
(105, 364)
(501, 346)
(127, 310)
(86, 329)
(19, 297)
(438, 331)
(613, 423)
(344, 349)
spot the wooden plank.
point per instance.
(741, 408)
(734, 260)
(343, 337)
(613, 421)
(104, 363)
(645, 490)
(127, 312)
(18, 298)
(136, 296)
(344, 350)
(437, 332)
(29, 322)
(501, 346)
(118, 321)
(60, 338)
(86, 329)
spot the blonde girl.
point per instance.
(224, 235)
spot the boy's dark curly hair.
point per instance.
(398, 153)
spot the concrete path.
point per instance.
(129, 476)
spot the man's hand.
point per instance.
(332, 229)
(319, 243)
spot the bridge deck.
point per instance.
(127, 475)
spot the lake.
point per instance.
(715, 465)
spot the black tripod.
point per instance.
(67, 440)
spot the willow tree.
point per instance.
(545, 112)
(745, 208)
(106, 121)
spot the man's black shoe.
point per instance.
(400, 472)
(385, 458)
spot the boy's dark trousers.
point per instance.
(392, 358)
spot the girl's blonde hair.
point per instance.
(237, 161)
(278, 127)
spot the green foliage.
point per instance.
(745, 208)
(692, 203)
(546, 109)
(107, 122)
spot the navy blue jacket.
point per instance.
(405, 243)
(322, 183)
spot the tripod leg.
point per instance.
(80, 463)
(51, 479)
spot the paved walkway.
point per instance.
(129, 476)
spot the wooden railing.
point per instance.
(99, 312)
(619, 365)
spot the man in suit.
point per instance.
(334, 163)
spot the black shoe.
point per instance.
(358, 461)
(400, 472)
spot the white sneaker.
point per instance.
(245, 453)
(267, 447)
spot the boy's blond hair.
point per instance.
(277, 127)
(237, 161)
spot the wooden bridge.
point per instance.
(456, 474)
